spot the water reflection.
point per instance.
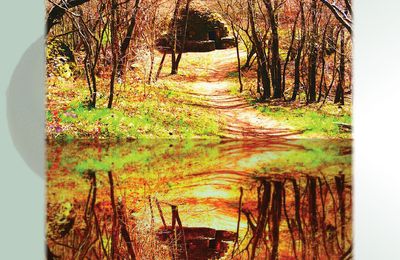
(200, 200)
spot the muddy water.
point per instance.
(171, 199)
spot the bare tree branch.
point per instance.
(340, 15)
(58, 10)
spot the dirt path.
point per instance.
(242, 120)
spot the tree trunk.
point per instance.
(322, 56)
(114, 50)
(125, 43)
(313, 56)
(160, 66)
(92, 48)
(276, 60)
(289, 53)
(297, 61)
(236, 36)
(261, 56)
(339, 97)
(183, 40)
(250, 55)
(174, 67)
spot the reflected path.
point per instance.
(199, 199)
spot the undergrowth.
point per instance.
(161, 110)
(313, 120)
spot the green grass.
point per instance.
(164, 112)
(314, 122)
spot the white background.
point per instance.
(376, 110)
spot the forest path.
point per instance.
(241, 119)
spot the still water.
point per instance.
(170, 199)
